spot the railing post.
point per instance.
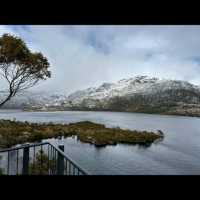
(60, 161)
(25, 168)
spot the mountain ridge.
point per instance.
(137, 94)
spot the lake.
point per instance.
(178, 153)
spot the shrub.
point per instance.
(42, 165)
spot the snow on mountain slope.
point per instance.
(129, 87)
(133, 94)
(34, 99)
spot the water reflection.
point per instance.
(144, 146)
(177, 153)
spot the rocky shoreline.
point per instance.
(186, 110)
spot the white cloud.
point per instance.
(84, 56)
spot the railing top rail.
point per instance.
(23, 146)
(41, 144)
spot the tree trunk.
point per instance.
(7, 99)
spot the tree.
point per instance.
(19, 67)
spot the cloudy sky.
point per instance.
(85, 56)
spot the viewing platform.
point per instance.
(38, 159)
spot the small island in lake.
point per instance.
(15, 132)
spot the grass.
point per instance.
(42, 165)
(14, 132)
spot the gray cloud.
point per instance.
(84, 56)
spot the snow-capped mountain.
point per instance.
(137, 94)
(31, 99)
(142, 85)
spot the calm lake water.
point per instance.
(178, 153)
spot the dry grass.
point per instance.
(12, 133)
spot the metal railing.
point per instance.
(38, 159)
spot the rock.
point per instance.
(100, 145)
(160, 133)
